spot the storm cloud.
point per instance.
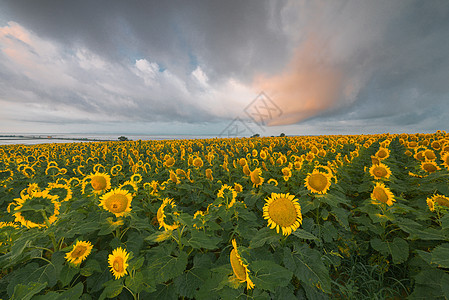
(382, 64)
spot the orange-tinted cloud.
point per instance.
(309, 85)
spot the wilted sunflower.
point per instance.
(429, 166)
(100, 182)
(256, 177)
(163, 217)
(283, 211)
(318, 182)
(117, 201)
(26, 212)
(118, 262)
(239, 267)
(80, 251)
(382, 194)
(380, 171)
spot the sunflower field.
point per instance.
(308, 217)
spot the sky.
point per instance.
(224, 68)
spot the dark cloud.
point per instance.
(382, 62)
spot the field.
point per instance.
(348, 217)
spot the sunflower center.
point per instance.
(283, 212)
(380, 172)
(117, 203)
(380, 194)
(79, 251)
(382, 153)
(442, 201)
(237, 266)
(318, 181)
(98, 183)
(430, 168)
(118, 264)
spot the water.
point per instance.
(33, 139)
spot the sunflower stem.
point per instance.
(50, 234)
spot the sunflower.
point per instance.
(80, 251)
(197, 162)
(227, 193)
(256, 179)
(287, 173)
(32, 188)
(199, 216)
(380, 171)
(163, 216)
(430, 204)
(117, 201)
(429, 166)
(282, 211)
(170, 161)
(318, 182)
(209, 174)
(383, 153)
(129, 186)
(26, 212)
(439, 199)
(429, 154)
(118, 262)
(100, 182)
(273, 181)
(136, 178)
(382, 194)
(174, 178)
(239, 267)
(445, 159)
(63, 191)
(246, 170)
(238, 187)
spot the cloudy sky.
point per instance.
(199, 67)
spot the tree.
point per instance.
(123, 138)
(282, 135)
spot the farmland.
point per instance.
(353, 217)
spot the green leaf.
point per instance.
(341, 215)
(72, 293)
(440, 255)
(431, 284)
(308, 267)
(398, 249)
(134, 242)
(301, 233)
(135, 283)
(112, 289)
(263, 236)
(91, 266)
(26, 291)
(163, 267)
(200, 239)
(66, 274)
(268, 275)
